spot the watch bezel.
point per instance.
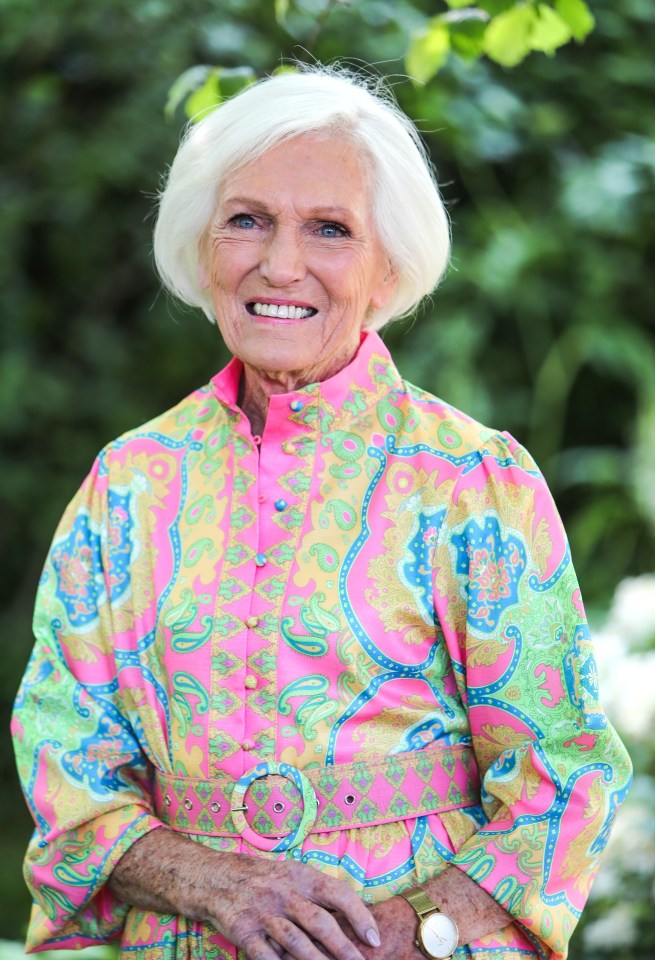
(436, 914)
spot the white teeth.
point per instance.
(285, 312)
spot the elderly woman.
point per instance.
(312, 674)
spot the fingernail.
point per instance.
(372, 937)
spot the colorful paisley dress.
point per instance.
(377, 574)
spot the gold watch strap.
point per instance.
(420, 901)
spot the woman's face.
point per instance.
(293, 260)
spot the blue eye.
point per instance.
(244, 221)
(332, 230)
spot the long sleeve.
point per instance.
(81, 762)
(553, 769)
(377, 574)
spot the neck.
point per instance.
(253, 400)
(258, 386)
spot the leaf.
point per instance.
(458, 4)
(234, 80)
(494, 7)
(281, 10)
(284, 68)
(465, 15)
(205, 98)
(549, 31)
(577, 15)
(185, 84)
(221, 84)
(467, 38)
(428, 51)
(507, 37)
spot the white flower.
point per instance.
(627, 675)
(633, 610)
(631, 848)
(616, 929)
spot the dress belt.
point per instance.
(274, 806)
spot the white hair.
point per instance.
(409, 215)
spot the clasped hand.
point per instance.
(272, 908)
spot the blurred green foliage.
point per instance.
(506, 31)
(544, 325)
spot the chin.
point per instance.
(276, 362)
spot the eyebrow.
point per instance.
(319, 212)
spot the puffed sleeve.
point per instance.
(553, 769)
(81, 761)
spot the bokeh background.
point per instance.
(544, 325)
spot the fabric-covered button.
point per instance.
(287, 446)
(281, 505)
(252, 622)
(248, 744)
(296, 405)
(260, 559)
(250, 682)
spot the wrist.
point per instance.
(475, 911)
(437, 935)
(166, 872)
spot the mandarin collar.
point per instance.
(359, 373)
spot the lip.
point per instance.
(279, 302)
(282, 303)
(278, 321)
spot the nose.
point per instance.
(282, 261)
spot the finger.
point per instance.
(287, 956)
(258, 947)
(325, 930)
(295, 941)
(339, 896)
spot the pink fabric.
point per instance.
(380, 573)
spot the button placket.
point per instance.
(284, 437)
(265, 540)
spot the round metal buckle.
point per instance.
(309, 802)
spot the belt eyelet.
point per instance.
(188, 804)
(278, 807)
(167, 800)
(349, 798)
(215, 807)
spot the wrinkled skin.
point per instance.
(475, 912)
(283, 908)
(265, 907)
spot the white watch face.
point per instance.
(439, 935)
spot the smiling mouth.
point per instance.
(282, 311)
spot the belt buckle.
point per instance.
(309, 802)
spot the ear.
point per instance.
(385, 289)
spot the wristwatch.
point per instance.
(437, 934)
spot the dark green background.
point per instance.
(544, 325)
